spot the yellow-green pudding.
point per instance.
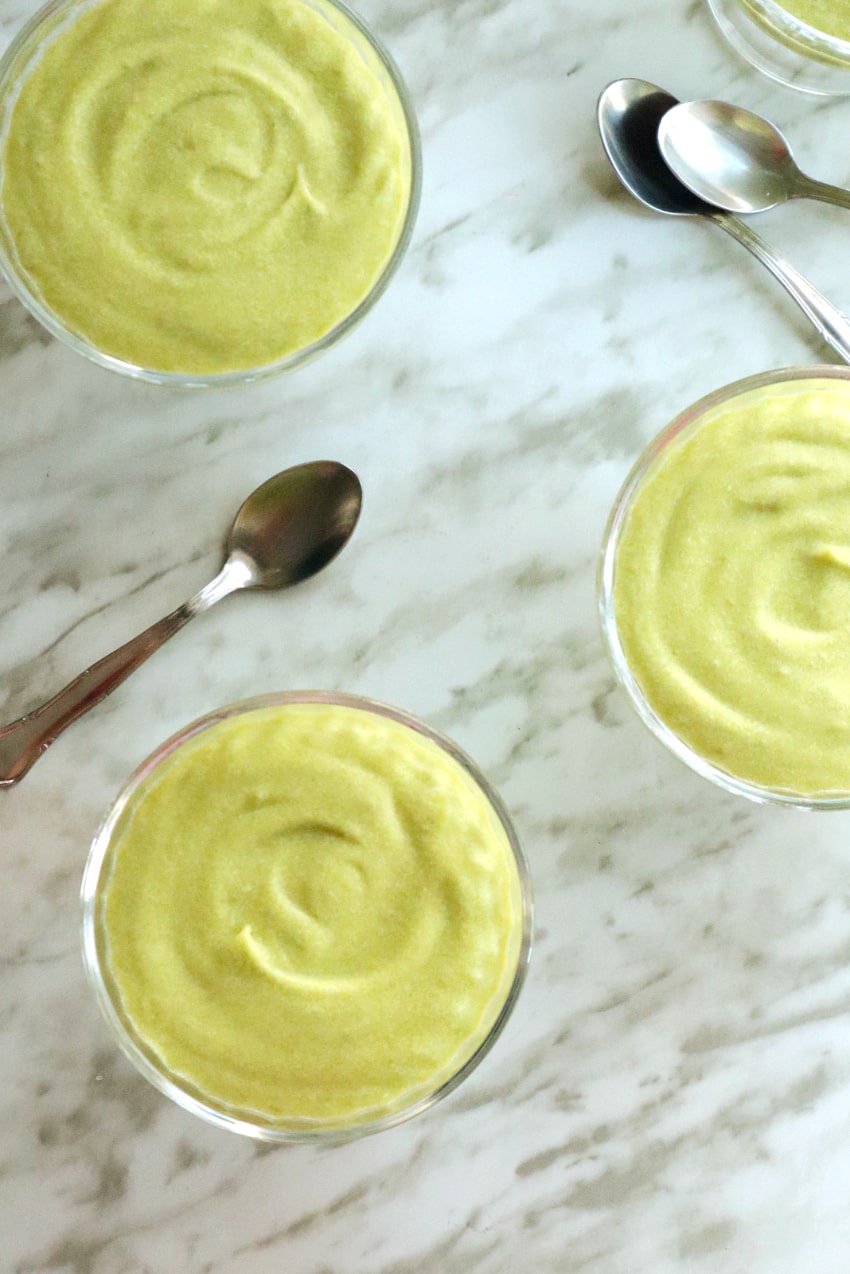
(830, 16)
(727, 582)
(306, 915)
(203, 187)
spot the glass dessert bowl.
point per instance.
(724, 587)
(789, 44)
(203, 211)
(307, 917)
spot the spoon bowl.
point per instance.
(288, 529)
(296, 523)
(629, 114)
(734, 159)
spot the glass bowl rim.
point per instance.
(689, 421)
(784, 47)
(27, 41)
(158, 1076)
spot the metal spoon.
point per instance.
(286, 531)
(735, 159)
(629, 115)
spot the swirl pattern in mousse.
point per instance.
(202, 186)
(310, 912)
(732, 586)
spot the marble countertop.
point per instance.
(672, 1092)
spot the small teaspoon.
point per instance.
(287, 530)
(736, 160)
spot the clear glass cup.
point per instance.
(252, 1123)
(15, 65)
(783, 47)
(682, 427)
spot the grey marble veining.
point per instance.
(673, 1090)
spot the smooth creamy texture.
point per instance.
(312, 913)
(831, 16)
(732, 587)
(203, 185)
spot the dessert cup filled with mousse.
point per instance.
(200, 191)
(725, 587)
(307, 917)
(802, 43)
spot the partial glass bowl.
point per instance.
(248, 1122)
(683, 427)
(784, 47)
(22, 55)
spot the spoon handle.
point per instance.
(809, 188)
(24, 741)
(833, 326)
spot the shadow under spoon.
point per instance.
(629, 114)
(287, 530)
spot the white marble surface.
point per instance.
(673, 1091)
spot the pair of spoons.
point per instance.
(286, 531)
(635, 117)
